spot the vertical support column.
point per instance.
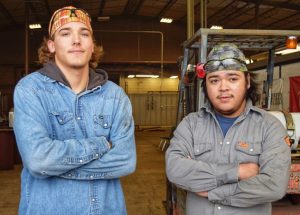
(270, 71)
(203, 17)
(190, 18)
(203, 52)
(181, 89)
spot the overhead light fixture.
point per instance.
(248, 61)
(166, 20)
(216, 27)
(174, 76)
(103, 18)
(130, 76)
(291, 42)
(147, 76)
(35, 26)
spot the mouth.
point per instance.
(224, 98)
(76, 51)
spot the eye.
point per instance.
(213, 81)
(85, 33)
(233, 79)
(64, 33)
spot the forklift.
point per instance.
(191, 97)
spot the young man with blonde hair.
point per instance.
(73, 127)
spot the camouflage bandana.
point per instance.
(225, 56)
(68, 14)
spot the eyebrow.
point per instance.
(227, 74)
(68, 29)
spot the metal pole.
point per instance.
(203, 17)
(270, 71)
(203, 51)
(190, 18)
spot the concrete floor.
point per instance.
(144, 190)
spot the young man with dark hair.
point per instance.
(230, 156)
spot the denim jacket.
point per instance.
(200, 158)
(64, 140)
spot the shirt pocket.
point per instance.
(102, 125)
(62, 124)
(203, 151)
(248, 152)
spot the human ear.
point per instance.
(248, 80)
(51, 47)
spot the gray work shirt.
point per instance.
(200, 158)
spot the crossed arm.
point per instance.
(82, 158)
(235, 184)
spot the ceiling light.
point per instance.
(35, 26)
(166, 20)
(174, 76)
(216, 27)
(147, 76)
(248, 61)
(130, 76)
(103, 18)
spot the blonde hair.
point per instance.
(45, 55)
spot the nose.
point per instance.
(76, 39)
(223, 85)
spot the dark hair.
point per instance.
(45, 55)
(252, 93)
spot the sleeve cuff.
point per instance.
(221, 195)
(100, 145)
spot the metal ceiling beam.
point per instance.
(101, 7)
(33, 10)
(236, 14)
(47, 7)
(285, 19)
(138, 7)
(228, 6)
(284, 5)
(169, 4)
(5, 12)
(131, 6)
(254, 19)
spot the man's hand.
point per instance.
(203, 194)
(247, 170)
